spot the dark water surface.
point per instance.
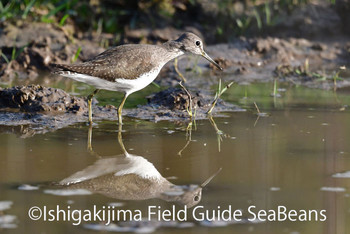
(295, 157)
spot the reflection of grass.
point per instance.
(189, 128)
(293, 96)
(219, 133)
(275, 88)
(336, 76)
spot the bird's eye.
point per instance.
(198, 43)
(196, 198)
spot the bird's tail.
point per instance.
(60, 69)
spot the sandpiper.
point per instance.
(129, 68)
(131, 177)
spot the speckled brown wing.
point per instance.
(126, 61)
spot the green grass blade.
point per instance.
(155, 84)
(6, 9)
(5, 58)
(20, 51)
(63, 20)
(267, 13)
(258, 19)
(28, 7)
(226, 87)
(13, 56)
(53, 12)
(239, 23)
(76, 54)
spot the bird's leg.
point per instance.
(89, 104)
(120, 140)
(89, 145)
(120, 108)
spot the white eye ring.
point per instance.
(198, 43)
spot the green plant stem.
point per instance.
(218, 95)
(76, 54)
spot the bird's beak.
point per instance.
(206, 56)
(205, 183)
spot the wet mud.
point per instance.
(33, 109)
(36, 46)
(173, 104)
(248, 59)
(261, 59)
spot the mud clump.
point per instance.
(224, 63)
(35, 98)
(33, 109)
(177, 99)
(173, 104)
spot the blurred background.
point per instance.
(218, 21)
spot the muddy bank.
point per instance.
(28, 110)
(26, 49)
(261, 59)
(32, 47)
(245, 60)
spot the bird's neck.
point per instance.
(173, 49)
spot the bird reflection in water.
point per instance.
(131, 177)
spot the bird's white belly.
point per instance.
(127, 86)
(133, 85)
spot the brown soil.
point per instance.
(254, 59)
(42, 109)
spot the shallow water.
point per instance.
(290, 156)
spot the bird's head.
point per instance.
(191, 43)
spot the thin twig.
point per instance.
(257, 108)
(189, 108)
